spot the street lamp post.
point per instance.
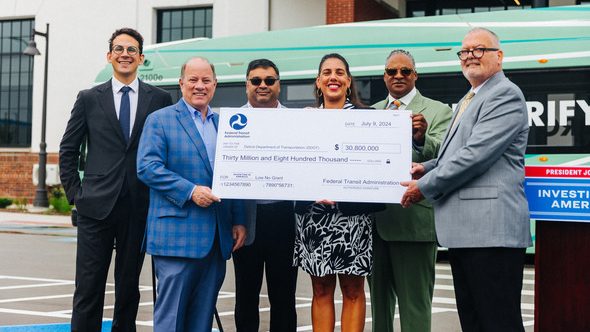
(41, 192)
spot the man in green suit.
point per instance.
(404, 243)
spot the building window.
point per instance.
(416, 8)
(16, 83)
(177, 24)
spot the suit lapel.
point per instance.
(144, 98)
(381, 105)
(190, 128)
(451, 131)
(479, 95)
(216, 121)
(107, 103)
(417, 104)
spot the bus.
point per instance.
(546, 53)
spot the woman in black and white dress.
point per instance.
(335, 239)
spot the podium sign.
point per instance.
(558, 193)
(559, 200)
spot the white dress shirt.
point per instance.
(133, 96)
(405, 100)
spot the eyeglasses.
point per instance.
(404, 71)
(476, 52)
(269, 81)
(131, 50)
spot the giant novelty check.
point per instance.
(311, 154)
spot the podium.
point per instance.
(562, 276)
(559, 200)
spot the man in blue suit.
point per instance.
(190, 231)
(476, 187)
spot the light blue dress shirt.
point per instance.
(206, 129)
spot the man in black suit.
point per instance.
(271, 233)
(112, 203)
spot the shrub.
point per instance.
(21, 203)
(5, 202)
(58, 200)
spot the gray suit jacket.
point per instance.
(476, 183)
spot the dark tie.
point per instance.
(125, 112)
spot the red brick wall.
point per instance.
(340, 11)
(344, 11)
(16, 173)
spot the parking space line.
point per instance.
(36, 285)
(527, 271)
(33, 313)
(451, 288)
(49, 297)
(441, 304)
(33, 279)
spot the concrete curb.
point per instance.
(32, 218)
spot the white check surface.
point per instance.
(311, 154)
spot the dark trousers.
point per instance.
(272, 250)
(488, 285)
(93, 257)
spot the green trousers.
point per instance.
(402, 271)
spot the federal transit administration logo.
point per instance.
(238, 121)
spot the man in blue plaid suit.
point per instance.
(190, 231)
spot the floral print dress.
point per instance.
(330, 242)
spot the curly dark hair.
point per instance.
(127, 31)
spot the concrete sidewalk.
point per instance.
(24, 218)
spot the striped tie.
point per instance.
(394, 105)
(463, 106)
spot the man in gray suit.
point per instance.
(476, 187)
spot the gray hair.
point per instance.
(183, 68)
(401, 51)
(495, 38)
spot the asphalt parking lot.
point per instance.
(37, 282)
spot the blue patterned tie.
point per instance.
(125, 112)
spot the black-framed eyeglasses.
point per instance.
(405, 71)
(477, 52)
(131, 50)
(269, 81)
